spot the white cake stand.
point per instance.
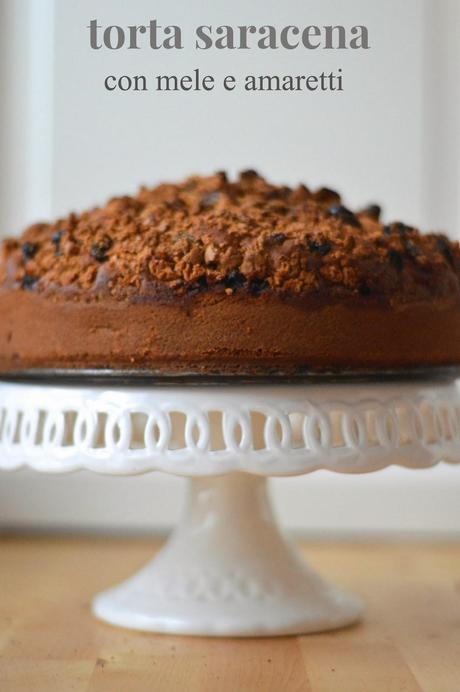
(227, 569)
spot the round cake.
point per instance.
(219, 277)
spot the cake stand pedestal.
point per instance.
(227, 570)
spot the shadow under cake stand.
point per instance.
(227, 569)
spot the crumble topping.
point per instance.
(210, 233)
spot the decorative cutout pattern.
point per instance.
(203, 431)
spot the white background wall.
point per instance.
(392, 136)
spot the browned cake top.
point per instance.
(209, 233)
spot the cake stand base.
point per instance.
(227, 571)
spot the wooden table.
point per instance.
(409, 640)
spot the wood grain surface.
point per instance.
(409, 640)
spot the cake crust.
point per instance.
(244, 277)
(211, 335)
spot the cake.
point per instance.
(244, 277)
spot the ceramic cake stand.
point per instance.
(227, 569)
